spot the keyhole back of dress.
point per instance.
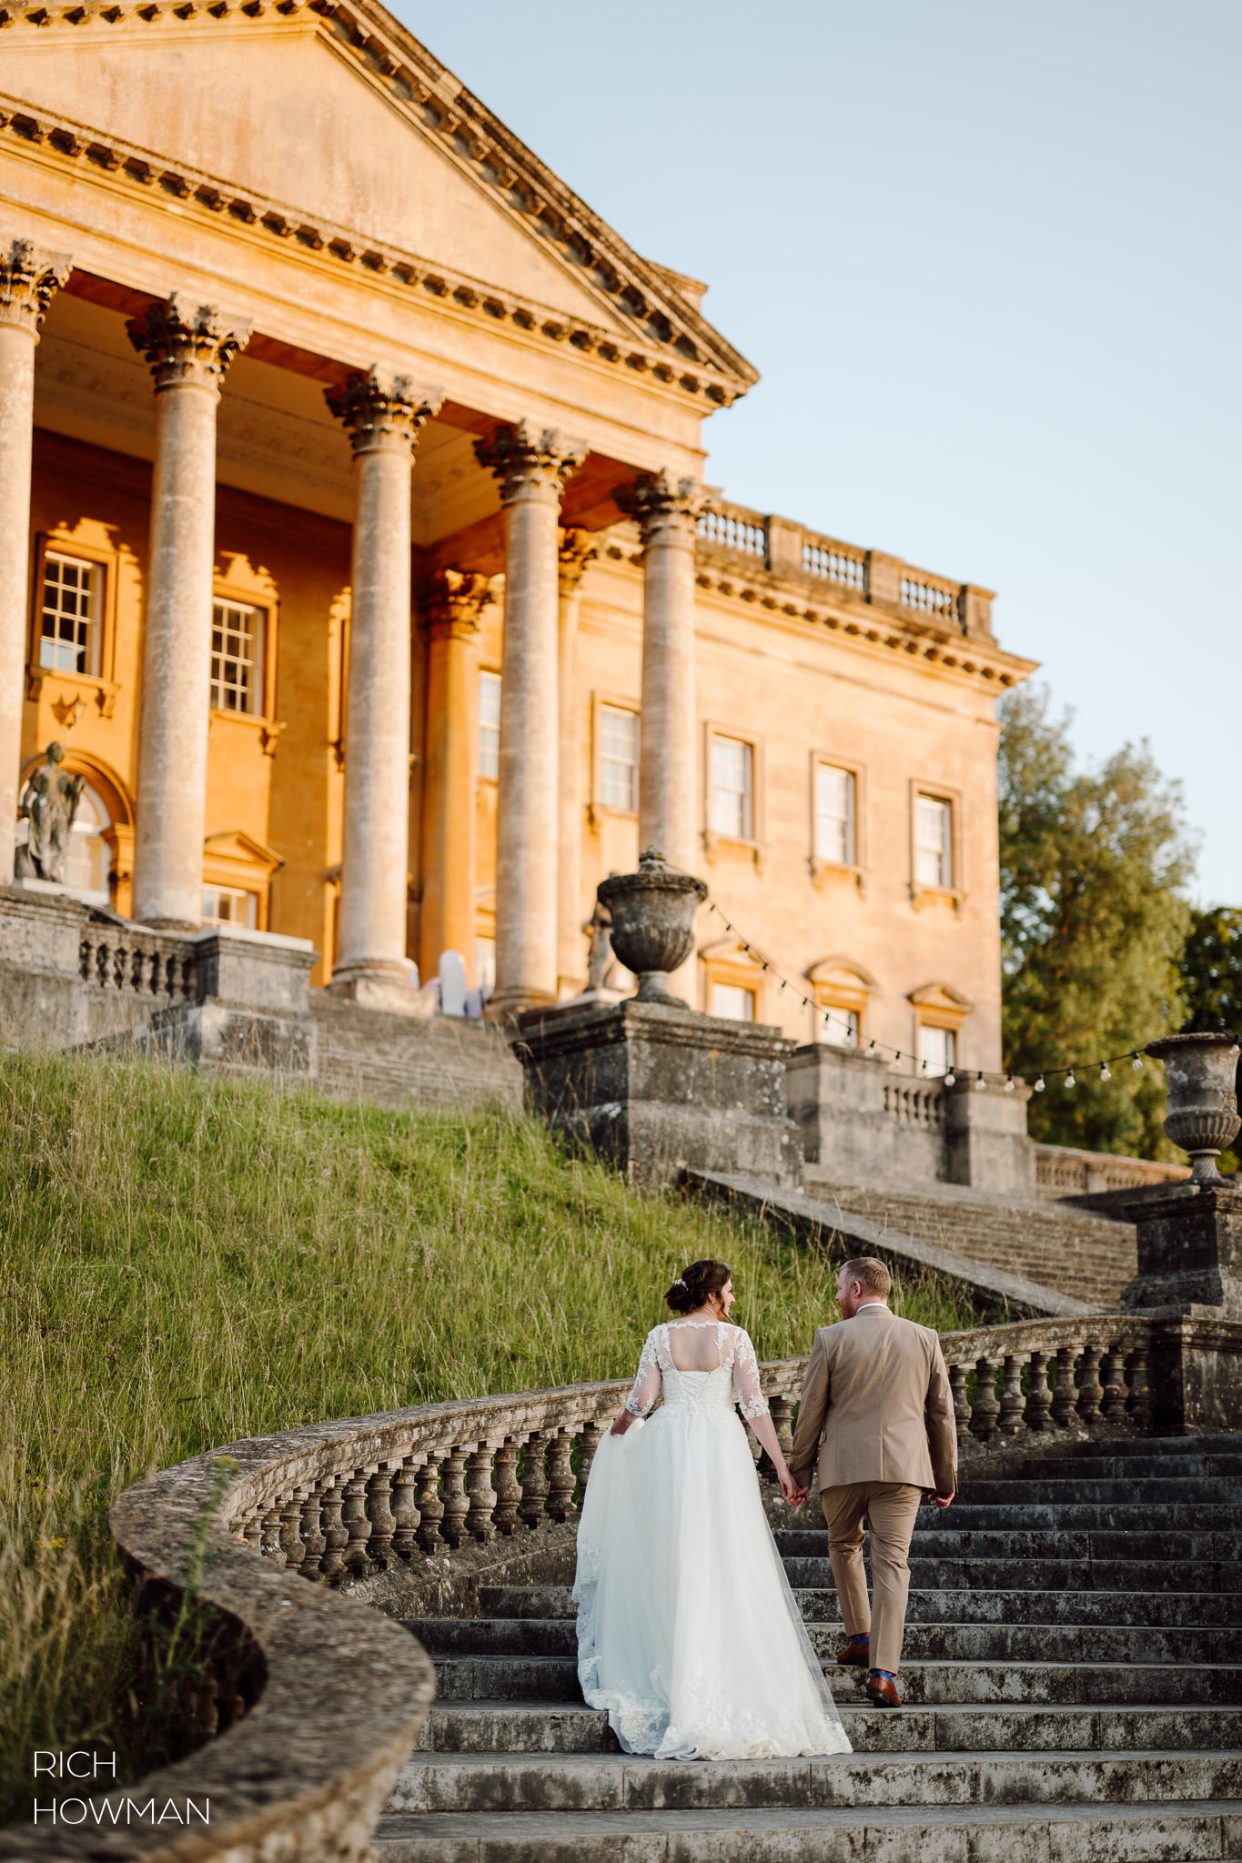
(694, 1345)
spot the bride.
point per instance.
(688, 1632)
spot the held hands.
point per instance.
(792, 1490)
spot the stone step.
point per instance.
(1046, 1516)
(1192, 1466)
(1067, 1543)
(988, 1644)
(1206, 1831)
(913, 1776)
(981, 1605)
(943, 1723)
(1071, 1487)
(1049, 1574)
(1220, 1442)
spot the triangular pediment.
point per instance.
(349, 120)
(234, 845)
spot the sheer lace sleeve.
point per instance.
(747, 1393)
(646, 1387)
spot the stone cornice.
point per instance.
(923, 642)
(666, 324)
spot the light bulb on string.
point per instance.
(1106, 1072)
(1070, 1082)
(1039, 1083)
(1010, 1083)
(1137, 1062)
(950, 1079)
(871, 1045)
(980, 1082)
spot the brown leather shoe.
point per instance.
(859, 1653)
(882, 1693)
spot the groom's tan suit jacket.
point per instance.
(876, 1406)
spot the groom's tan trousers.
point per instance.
(891, 1507)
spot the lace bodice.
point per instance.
(734, 1379)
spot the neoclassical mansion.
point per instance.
(354, 541)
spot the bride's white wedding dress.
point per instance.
(688, 1632)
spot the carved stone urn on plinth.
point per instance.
(1201, 1072)
(653, 923)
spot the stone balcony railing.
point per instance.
(759, 540)
(1064, 1171)
(314, 1703)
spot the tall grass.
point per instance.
(186, 1262)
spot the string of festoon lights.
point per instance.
(1065, 1071)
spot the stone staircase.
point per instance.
(1073, 1670)
(1075, 1252)
(389, 1059)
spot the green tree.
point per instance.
(1211, 973)
(1093, 925)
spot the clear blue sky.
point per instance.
(987, 260)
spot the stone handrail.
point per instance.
(337, 1502)
(785, 548)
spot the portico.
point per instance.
(353, 540)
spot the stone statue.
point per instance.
(599, 955)
(48, 803)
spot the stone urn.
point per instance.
(1201, 1074)
(653, 922)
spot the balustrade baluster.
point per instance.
(84, 959)
(1012, 1403)
(1088, 1380)
(456, 1500)
(480, 1516)
(252, 1531)
(781, 1408)
(404, 1511)
(534, 1481)
(588, 1443)
(1138, 1399)
(335, 1533)
(561, 1478)
(1063, 1395)
(958, 1376)
(290, 1530)
(1038, 1396)
(101, 964)
(358, 1527)
(986, 1408)
(269, 1536)
(383, 1525)
(430, 1506)
(508, 1488)
(1113, 1404)
(312, 1533)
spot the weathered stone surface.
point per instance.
(1189, 1247)
(656, 1090)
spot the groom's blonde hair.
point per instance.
(874, 1276)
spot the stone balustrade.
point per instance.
(336, 1502)
(914, 1103)
(788, 549)
(158, 967)
(1065, 1171)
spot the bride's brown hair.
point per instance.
(695, 1283)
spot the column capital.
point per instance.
(526, 459)
(29, 279)
(183, 345)
(380, 408)
(454, 604)
(657, 501)
(577, 549)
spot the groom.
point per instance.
(876, 1427)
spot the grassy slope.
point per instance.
(183, 1263)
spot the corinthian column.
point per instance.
(383, 414)
(451, 618)
(666, 510)
(577, 551)
(28, 280)
(188, 351)
(532, 467)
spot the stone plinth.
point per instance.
(656, 1090)
(836, 1097)
(1189, 1248)
(986, 1141)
